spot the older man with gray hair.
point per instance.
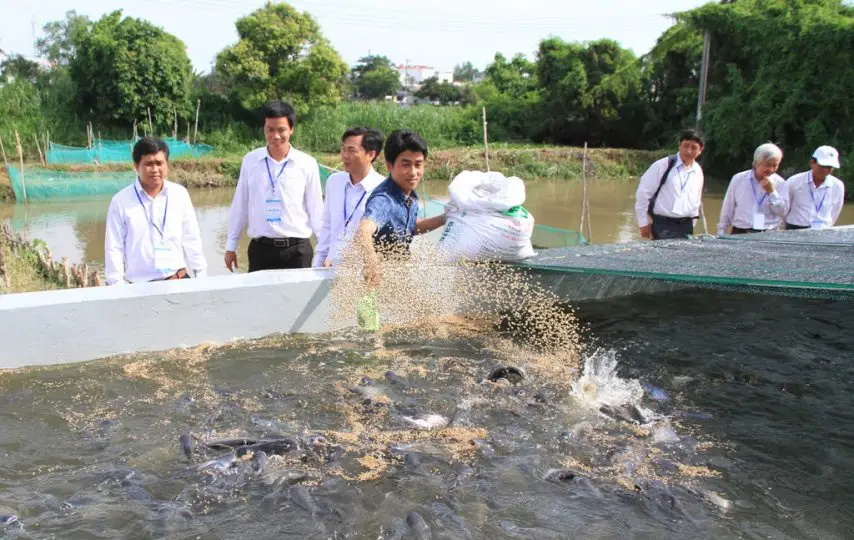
(756, 199)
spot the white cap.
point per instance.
(826, 156)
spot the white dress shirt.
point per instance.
(680, 195)
(152, 238)
(810, 206)
(299, 210)
(748, 206)
(342, 211)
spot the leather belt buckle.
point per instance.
(281, 242)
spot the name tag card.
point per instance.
(273, 210)
(759, 221)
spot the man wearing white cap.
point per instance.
(816, 196)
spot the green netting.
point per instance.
(47, 184)
(793, 262)
(109, 151)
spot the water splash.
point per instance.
(600, 385)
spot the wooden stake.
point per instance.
(196, 132)
(135, 132)
(3, 150)
(188, 131)
(150, 125)
(585, 200)
(21, 160)
(38, 147)
(175, 126)
(485, 141)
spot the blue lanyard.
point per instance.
(162, 229)
(347, 219)
(756, 195)
(682, 183)
(270, 174)
(812, 194)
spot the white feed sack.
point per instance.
(479, 226)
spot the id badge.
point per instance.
(273, 210)
(680, 206)
(163, 258)
(759, 221)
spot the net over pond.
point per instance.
(109, 151)
(802, 263)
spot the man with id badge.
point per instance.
(670, 192)
(278, 199)
(755, 200)
(152, 233)
(347, 193)
(816, 196)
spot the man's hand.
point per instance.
(326, 263)
(646, 232)
(767, 185)
(231, 261)
(373, 275)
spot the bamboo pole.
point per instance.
(196, 132)
(21, 160)
(485, 141)
(585, 199)
(188, 131)
(135, 132)
(38, 147)
(150, 124)
(3, 151)
(175, 125)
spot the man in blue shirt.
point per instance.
(391, 212)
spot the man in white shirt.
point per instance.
(816, 196)
(347, 193)
(152, 231)
(670, 192)
(755, 200)
(278, 199)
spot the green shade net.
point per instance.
(47, 184)
(109, 151)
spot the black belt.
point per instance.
(280, 242)
(679, 220)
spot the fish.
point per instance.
(9, 519)
(393, 377)
(627, 413)
(299, 495)
(271, 447)
(562, 475)
(229, 444)
(655, 392)
(512, 374)
(221, 463)
(259, 461)
(428, 421)
(186, 443)
(418, 526)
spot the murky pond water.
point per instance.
(692, 415)
(75, 229)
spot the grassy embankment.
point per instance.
(531, 163)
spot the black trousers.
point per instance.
(279, 254)
(666, 228)
(790, 227)
(739, 230)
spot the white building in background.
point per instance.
(414, 75)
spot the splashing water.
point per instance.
(600, 385)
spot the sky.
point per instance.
(438, 33)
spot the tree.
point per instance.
(63, 38)
(443, 92)
(18, 68)
(124, 67)
(375, 77)
(780, 71)
(281, 54)
(465, 72)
